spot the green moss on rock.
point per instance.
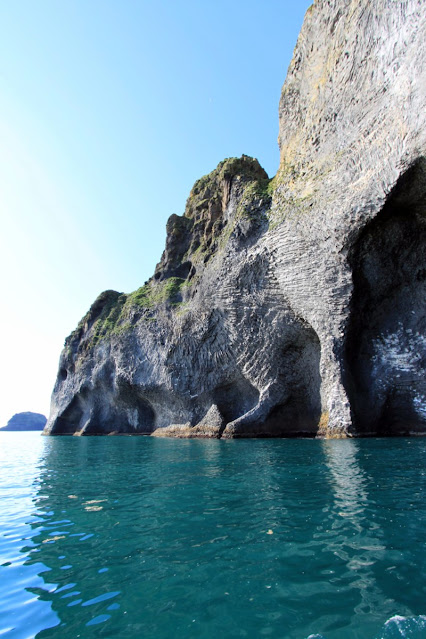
(191, 239)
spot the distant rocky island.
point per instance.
(291, 306)
(26, 421)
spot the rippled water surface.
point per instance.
(140, 537)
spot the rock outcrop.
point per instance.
(293, 306)
(26, 421)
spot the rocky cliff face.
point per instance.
(291, 306)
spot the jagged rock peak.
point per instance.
(194, 237)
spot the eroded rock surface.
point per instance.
(293, 306)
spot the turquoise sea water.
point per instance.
(131, 538)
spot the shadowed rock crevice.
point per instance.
(123, 409)
(138, 413)
(386, 344)
(70, 419)
(235, 399)
(136, 417)
(105, 410)
(291, 405)
(300, 413)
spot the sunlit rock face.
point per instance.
(292, 306)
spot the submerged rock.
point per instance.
(293, 306)
(26, 421)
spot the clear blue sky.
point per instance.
(109, 111)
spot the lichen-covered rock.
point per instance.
(293, 306)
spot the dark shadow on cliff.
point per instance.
(299, 414)
(386, 339)
(66, 423)
(291, 406)
(236, 398)
(104, 411)
(129, 412)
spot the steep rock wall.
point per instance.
(292, 306)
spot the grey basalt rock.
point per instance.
(293, 306)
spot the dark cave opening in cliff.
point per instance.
(299, 414)
(136, 414)
(385, 357)
(235, 398)
(137, 418)
(126, 412)
(293, 418)
(70, 418)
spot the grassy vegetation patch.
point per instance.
(257, 195)
(108, 318)
(113, 312)
(155, 293)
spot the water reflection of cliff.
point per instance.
(395, 468)
(356, 537)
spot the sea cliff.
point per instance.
(292, 306)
